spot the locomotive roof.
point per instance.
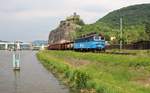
(89, 36)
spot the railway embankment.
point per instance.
(99, 72)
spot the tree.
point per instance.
(147, 29)
(72, 36)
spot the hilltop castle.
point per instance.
(65, 32)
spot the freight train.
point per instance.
(91, 42)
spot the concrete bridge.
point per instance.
(4, 45)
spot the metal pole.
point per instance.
(121, 33)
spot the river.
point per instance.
(32, 77)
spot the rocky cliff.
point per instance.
(66, 31)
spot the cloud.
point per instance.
(27, 9)
(35, 18)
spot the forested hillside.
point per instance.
(135, 21)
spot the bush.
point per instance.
(81, 79)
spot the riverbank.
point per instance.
(99, 73)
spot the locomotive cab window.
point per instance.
(97, 38)
(102, 38)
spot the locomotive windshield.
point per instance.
(97, 38)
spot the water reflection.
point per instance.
(16, 81)
(16, 60)
(31, 78)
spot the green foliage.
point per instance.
(147, 28)
(80, 22)
(72, 35)
(81, 79)
(105, 73)
(77, 77)
(134, 18)
(132, 15)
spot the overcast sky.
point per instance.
(29, 20)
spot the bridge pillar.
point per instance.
(18, 46)
(6, 46)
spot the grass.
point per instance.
(100, 73)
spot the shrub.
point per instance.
(81, 79)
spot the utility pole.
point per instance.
(120, 33)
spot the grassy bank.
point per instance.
(101, 73)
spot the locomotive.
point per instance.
(90, 42)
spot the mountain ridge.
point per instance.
(132, 15)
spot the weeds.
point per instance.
(105, 73)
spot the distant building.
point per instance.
(112, 38)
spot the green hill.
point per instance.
(134, 19)
(132, 15)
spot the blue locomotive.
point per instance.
(90, 43)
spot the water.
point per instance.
(32, 77)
